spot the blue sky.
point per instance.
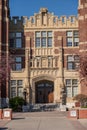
(29, 7)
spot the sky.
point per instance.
(29, 7)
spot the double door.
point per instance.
(44, 92)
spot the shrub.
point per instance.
(16, 103)
(82, 99)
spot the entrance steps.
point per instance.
(44, 107)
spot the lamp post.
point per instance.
(25, 93)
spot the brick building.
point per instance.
(46, 53)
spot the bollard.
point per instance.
(73, 113)
(7, 114)
(0, 113)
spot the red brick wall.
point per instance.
(31, 35)
(82, 113)
(59, 43)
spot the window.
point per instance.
(43, 39)
(72, 62)
(20, 92)
(13, 92)
(18, 43)
(15, 40)
(20, 82)
(13, 82)
(69, 41)
(72, 38)
(71, 87)
(16, 88)
(18, 64)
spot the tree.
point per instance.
(5, 68)
(83, 70)
(83, 66)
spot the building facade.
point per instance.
(46, 50)
(46, 53)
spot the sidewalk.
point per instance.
(43, 121)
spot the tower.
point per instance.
(4, 28)
(82, 11)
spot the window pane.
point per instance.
(13, 92)
(49, 42)
(18, 59)
(18, 34)
(69, 41)
(68, 82)
(20, 92)
(49, 34)
(18, 66)
(74, 82)
(69, 34)
(70, 66)
(18, 43)
(37, 42)
(12, 35)
(13, 82)
(12, 42)
(43, 42)
(43, 34)
(68, 91)
(38, 34)
(70, 58)
(76, 58)
(20, 82)
(76, 33)
(74, 91)
(76, 41)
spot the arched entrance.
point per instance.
(44, 91)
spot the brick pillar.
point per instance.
(82, 13)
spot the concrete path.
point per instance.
(43, 121)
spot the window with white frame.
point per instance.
(15, 39)
(43, 39)
(71, 87)
(72, 38)
(16, 87)
(72, 62)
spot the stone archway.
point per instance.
(43, 79)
